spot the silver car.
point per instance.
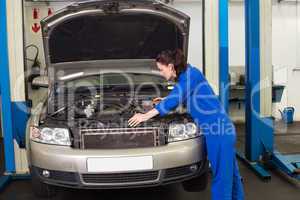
(100, 58)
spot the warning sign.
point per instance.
(36, 27)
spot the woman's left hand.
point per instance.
(137, 119)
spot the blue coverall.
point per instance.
(193, 90)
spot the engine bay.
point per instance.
(85, 109)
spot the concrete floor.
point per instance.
(279, 188)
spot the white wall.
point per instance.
(236, 35)
(15, 50)
(194, 10)
(286, 41)
(286, 53)
(36, 38)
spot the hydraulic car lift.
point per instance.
(259, 150)
(7, 107)
(259, 129)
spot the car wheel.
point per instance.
(41, 189)
(196, 184)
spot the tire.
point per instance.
(41, 189)
(196, 184)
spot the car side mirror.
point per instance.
(41, 81)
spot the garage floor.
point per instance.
(279, 188)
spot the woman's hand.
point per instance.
(157, 100)
(139, 118)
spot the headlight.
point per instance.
(57, 136)
(179, 132)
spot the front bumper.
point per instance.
(68, 167)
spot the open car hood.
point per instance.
(113, 29)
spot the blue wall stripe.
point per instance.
(7, 127)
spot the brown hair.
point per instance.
(175, 57)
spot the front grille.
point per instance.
(120, 177)
(118, 138)
(178, 172)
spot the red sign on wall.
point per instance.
(36, 27)
(50, 11)
(35, 13)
